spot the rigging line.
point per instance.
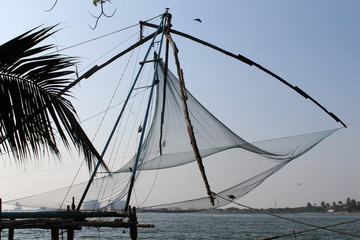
(105, 35)
(285, 218)
(99, 126)
(117, 104)
(312, 229)
(96, 68)
(102, 121)
(116, 138)
(131, 107)
(136, 118)
(126, 124)
(153, 184)
(94, 39)
(35, 172)
(161, 28)
(251, 63)
(96, 60)
(72, 184)
(152, 36)
(113, 95)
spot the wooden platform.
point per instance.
(68, 221)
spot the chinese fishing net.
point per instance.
(168, 176)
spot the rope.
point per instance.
(101, 123)
(97, 130)
(312, 229)
(115, 150)
(36, 172)
(105, 35)
(289, 219)
(153, 184)
(102, 56)
(97, 38)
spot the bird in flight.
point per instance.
(197, 20)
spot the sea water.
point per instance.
(216, 226)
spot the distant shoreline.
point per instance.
(297, 210)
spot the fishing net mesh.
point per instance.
(167, 147)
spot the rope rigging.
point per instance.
(96, 68)
(101, 123)
(105, 35)
(116, 143)
(118, 139)
(252, 63)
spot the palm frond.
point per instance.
(31, 103)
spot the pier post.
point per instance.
(11, 232)
(54, 234)
(133, 220)
(70, 234)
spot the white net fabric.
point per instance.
(159, 185)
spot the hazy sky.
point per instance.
(312, 44)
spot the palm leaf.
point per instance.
(32, 106)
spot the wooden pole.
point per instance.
(54, 234)
(188, 120)
(251, 63)
(134, 222)
(145, 121)
(164, 93)
(97, 68)
(70, 234)
(11, 234)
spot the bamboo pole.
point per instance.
(147, 113)
(188, 120)
(97, 68)
(164, 93)
(252, 63)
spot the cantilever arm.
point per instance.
(96, 68)
(251, 63)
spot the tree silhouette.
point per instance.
(32, 104)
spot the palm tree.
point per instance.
(33, 108)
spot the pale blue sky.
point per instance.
(311, 44)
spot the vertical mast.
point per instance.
(155, 79)
(118, 119)
(164, 89)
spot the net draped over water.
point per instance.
(167, 176)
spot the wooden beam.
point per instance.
(97, 68)
(251, 63)
(190, 128)
(62, 214)
(150, 61)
